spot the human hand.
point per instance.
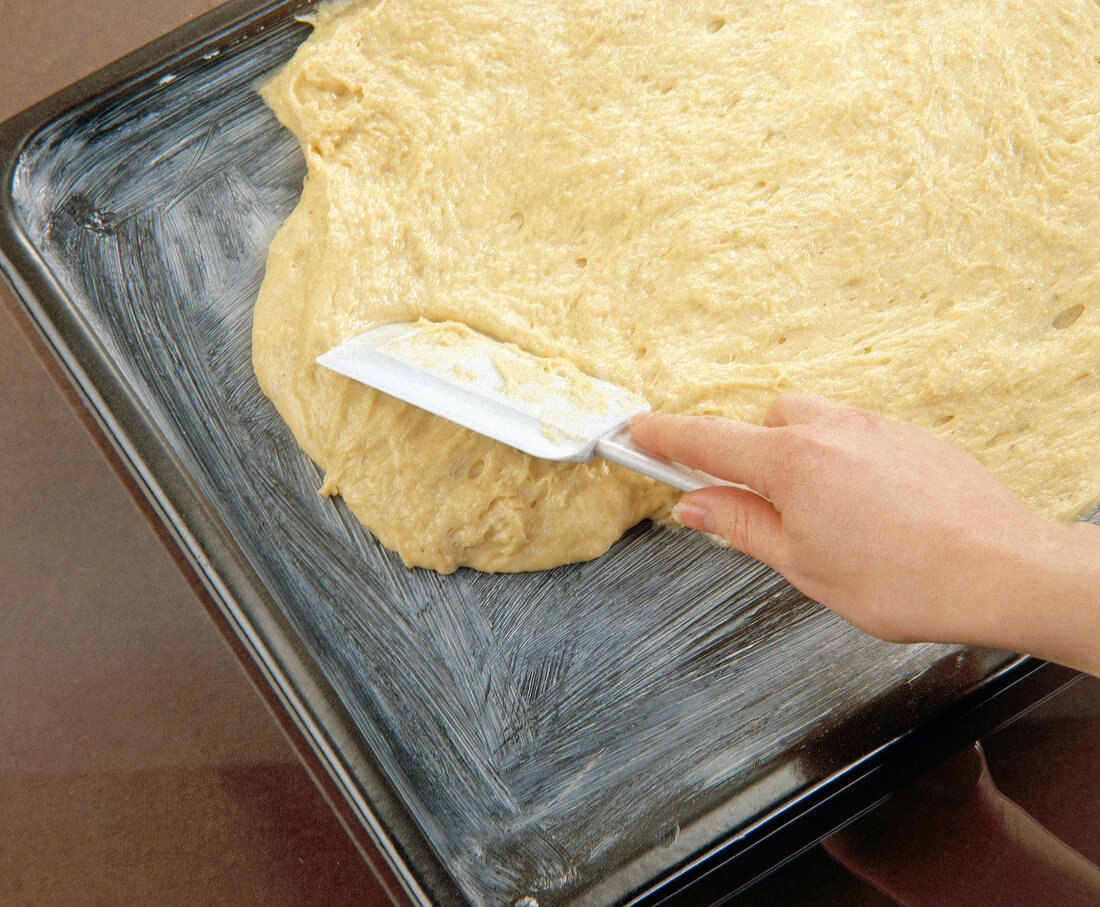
(905, 535)
(952, 838)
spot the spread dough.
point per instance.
(893, 204)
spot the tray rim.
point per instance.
(292, 686)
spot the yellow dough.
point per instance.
(896, 205)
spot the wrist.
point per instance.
(1046, 596)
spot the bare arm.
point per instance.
(906, 536)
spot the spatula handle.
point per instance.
(619, 447)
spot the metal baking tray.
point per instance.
(666, 722)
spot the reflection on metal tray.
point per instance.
(580, 735)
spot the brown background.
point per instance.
(137, 765)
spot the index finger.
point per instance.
(736, 451)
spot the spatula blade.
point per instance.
(545, 407)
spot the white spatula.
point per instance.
(545, 407)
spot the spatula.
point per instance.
(545, 407)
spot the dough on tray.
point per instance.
(895, 205)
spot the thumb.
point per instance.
(747, 521)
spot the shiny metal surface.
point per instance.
(571, 735)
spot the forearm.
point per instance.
(1047, 601)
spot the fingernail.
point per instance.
(692, 515)
(639, 418)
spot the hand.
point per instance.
(952, 838)
(905, 535)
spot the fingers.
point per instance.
(731, 450)
(744, 519)
(965, 844)
(917, 827)
(790, 409)
(736, 451)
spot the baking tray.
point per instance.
(664, 723)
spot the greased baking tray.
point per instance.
(666, 722)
